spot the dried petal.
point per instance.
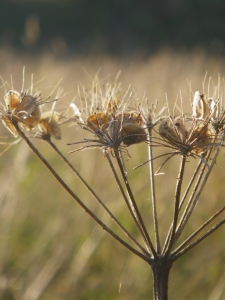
(12, 99)
(7, 122)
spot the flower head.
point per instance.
(112, 120)
(197, 138)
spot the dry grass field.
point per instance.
(50, 248)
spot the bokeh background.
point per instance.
(50, 249)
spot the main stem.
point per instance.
(160, 269)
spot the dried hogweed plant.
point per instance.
(114, 121)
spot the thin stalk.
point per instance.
(176, 203)
(182, 202)
(133, 207)
(201, 238)
(75, 197)
(126, 201)
(53, 146)
(191, 205)
(152, 182)
(197, 232)
(190, 184)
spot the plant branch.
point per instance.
(152, 182)
(195, 195)
(96, 197)
(197, 231)
(182, 201)
(132, 206)
(75, 197)
(126, 199)
(196, 242)
(176, 205)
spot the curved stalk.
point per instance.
(53, 146)
(75, 197)
(126, 201)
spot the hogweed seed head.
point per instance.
(202, 134)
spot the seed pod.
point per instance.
(28, 112)
(48, 126)
(200, 106)
(201, 137)
(168, 133)
(130, 131)
(178, 122)
(97, 120)
(214, 109)
(132, 134)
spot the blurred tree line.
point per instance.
(112, 26)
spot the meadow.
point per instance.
(50, 248)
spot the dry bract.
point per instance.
(12, 99)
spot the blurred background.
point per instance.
(50, 249)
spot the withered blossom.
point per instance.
(114, 129)
(201, 135)
(196, 140)
(20, 108)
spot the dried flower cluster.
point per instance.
(114, 123)
(23, 110)
(197, 135)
